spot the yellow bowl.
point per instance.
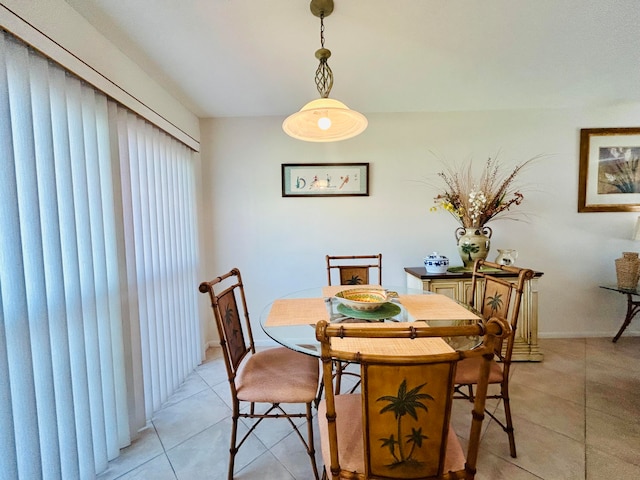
(363, 299)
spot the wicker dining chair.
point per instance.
(351, 270)
(495, 296)
(398, 427)
(354, 269)
(274, 376)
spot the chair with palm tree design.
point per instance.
(492, 296)
(351, 270)
(398, 427)
(274, 376)
(354, 269)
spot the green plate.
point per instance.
(387, 310)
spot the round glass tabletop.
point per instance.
(299, 334)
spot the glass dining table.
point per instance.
(291, 319)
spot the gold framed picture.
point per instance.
(609, 176)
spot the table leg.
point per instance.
(632, 309)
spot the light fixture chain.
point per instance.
(322, 29)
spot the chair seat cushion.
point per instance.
(468, 369)
(278, 375)
(350, 437)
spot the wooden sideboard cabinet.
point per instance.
(458, 286)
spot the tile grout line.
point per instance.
(164, 449)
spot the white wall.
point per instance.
(279, 243)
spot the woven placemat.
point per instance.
(391, 346)
(435, 307)
(330, 290)
(297, 311)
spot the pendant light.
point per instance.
(324, 119)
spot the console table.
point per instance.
(457, 285)
(633, 306)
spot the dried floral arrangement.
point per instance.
(472, 201)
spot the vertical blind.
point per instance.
(98, 322)
(159, 227)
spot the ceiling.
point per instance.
(225, 58)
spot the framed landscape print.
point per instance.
(609, 177)
(325, 179)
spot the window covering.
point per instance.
(98, 252)
(160, 231)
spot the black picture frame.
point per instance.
(325, 179)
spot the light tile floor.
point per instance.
(576, 415)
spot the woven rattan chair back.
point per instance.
(354, 269)
(398, 427)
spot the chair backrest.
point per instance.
(407, 390)
(496, 296)
(354, 269)
(234, 328)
